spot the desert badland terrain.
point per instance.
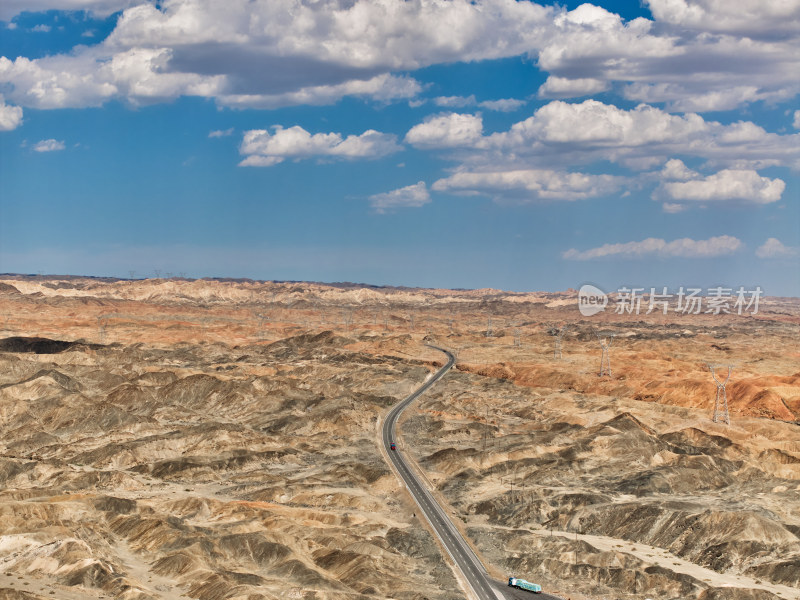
(209, 439)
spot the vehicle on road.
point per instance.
(521, 584)
(392, 446)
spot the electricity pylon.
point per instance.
(559, 334)
(605, 358)
(721, 412)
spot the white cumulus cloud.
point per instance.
(774, 248)
(50, 145)
(262, 148)
(694, 56)
(271, 53)
(381, 88)
(675, 170)
(597, 124)
(503, 104)
(563, 87)
(752, 18)
(723, 245)
(449, 130)
(559, 133)
(681, 97)
(138, 75)
(640, 137)
(217, 133)
(526, 185)
(410, 196)
(10, 116)
(673, 207)
(724, 186)
(697, 55)
(389, 34)
(10, 8)
(455, 101)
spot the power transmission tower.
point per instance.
(721, 413)
(315, 308)
(262, 319)
(132, 274)
(489, 327)
(485, 434)
(487, 441)
(605, 358)
(102, 323)
(558, 334)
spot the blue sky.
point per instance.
(496, 143)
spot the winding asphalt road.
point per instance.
(484, 587)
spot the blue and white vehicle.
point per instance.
(521, 584)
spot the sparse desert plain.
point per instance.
(219, 439)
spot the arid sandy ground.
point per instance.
(217, 439)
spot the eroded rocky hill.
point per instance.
(219, 439)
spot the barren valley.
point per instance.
(219, 439)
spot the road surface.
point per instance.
(484, 587)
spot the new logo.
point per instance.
(591, 300)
